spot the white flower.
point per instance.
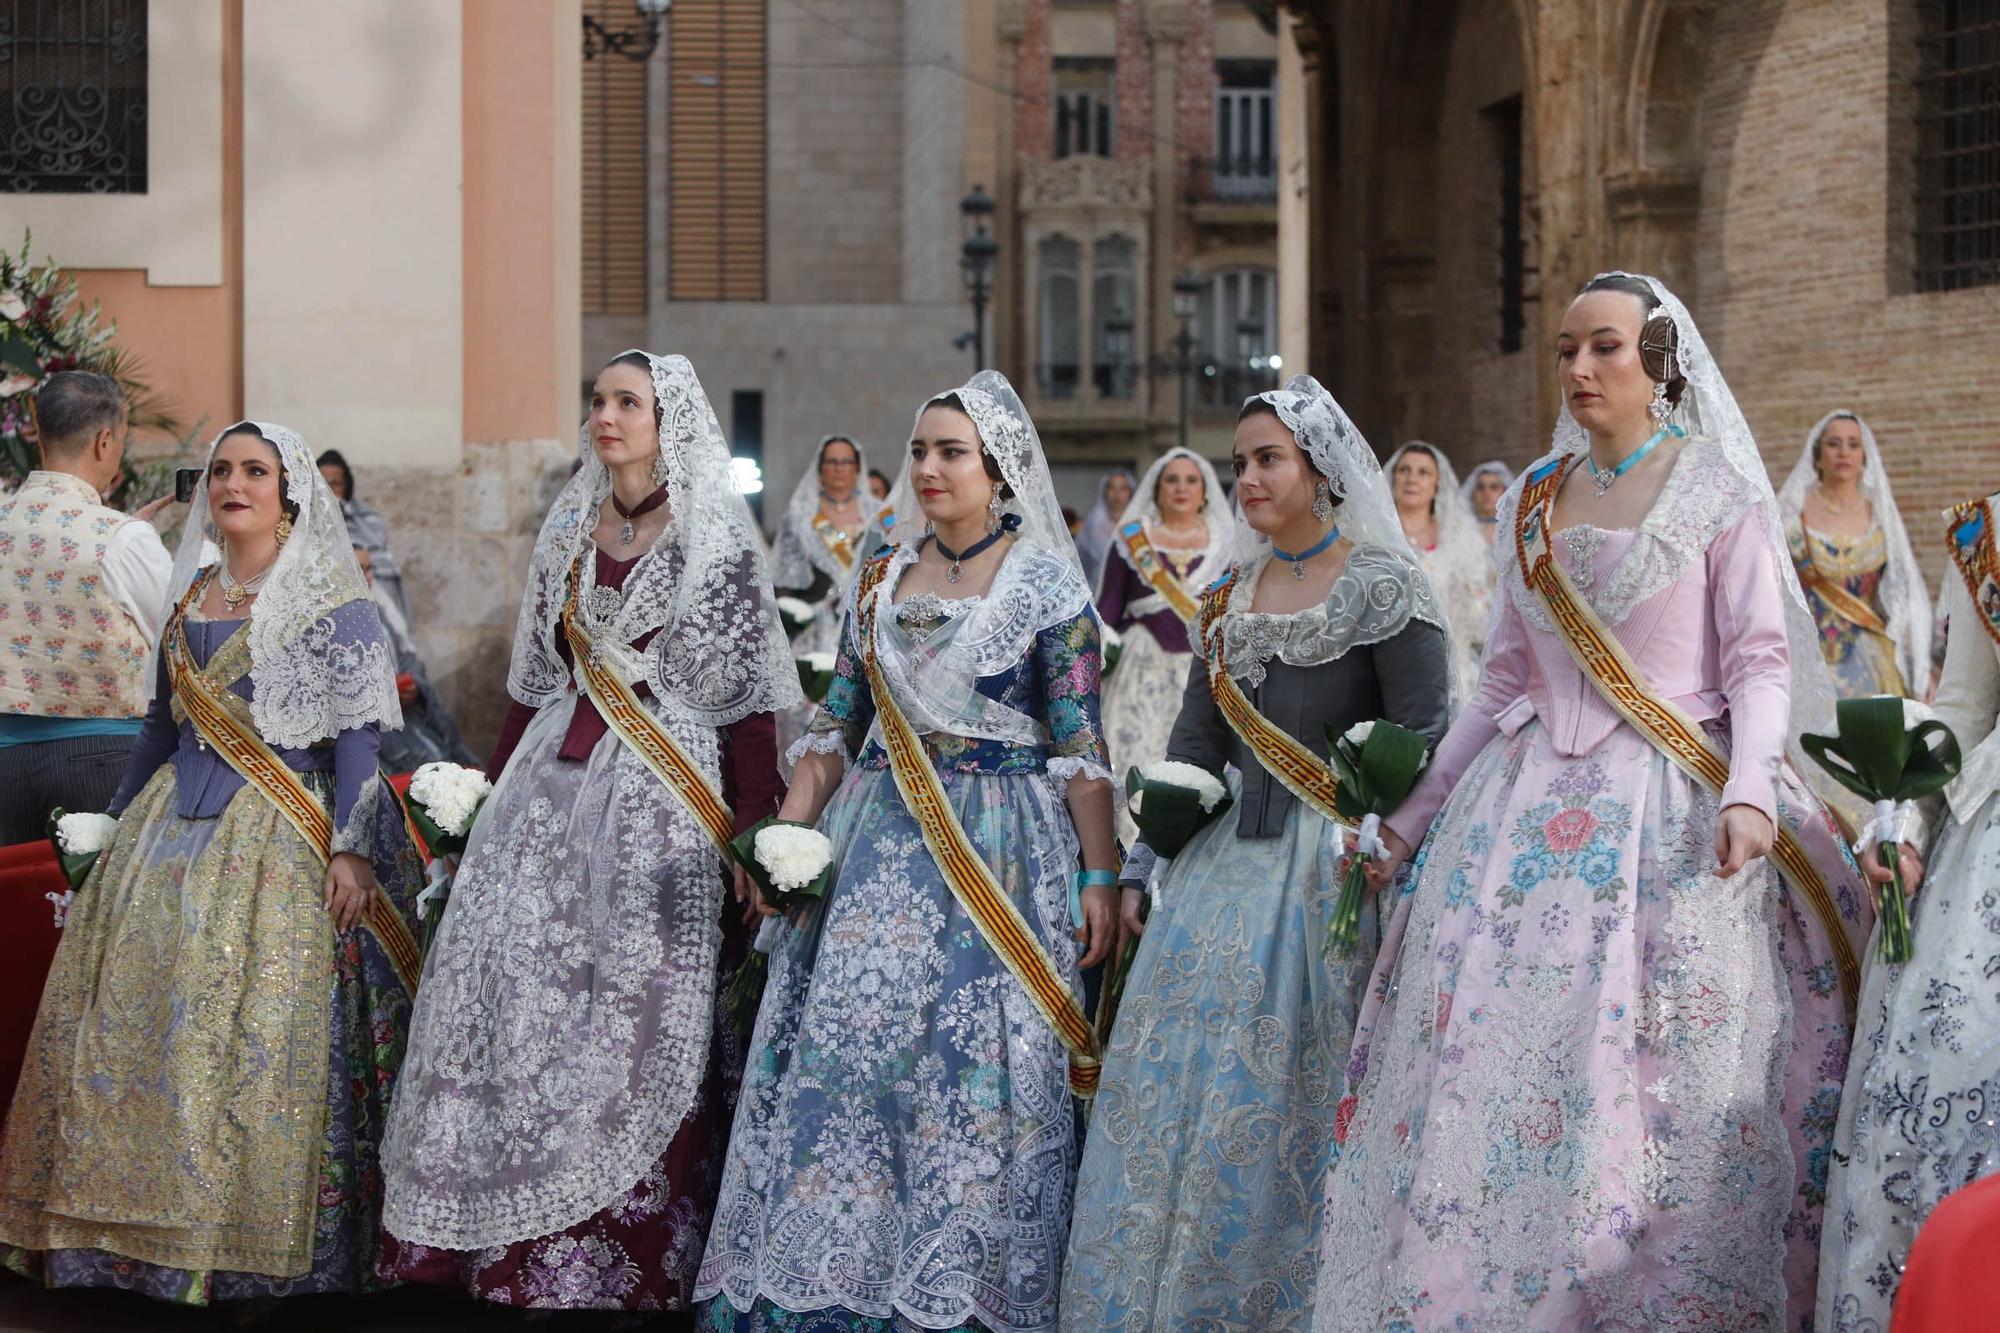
(1915, 711)
(80, 835)
(450, 794)
(819, 662)
(796, 611)
(1172, 773)
(1357, 735)
(12, 307)
(16, 383)
(1112, 638)
(794, 857)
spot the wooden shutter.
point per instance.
(715, 151)
(614, 173)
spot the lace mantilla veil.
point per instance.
(1493, 465)
(1903, 592)
(1697, 505)
(798, 551)
(1459, 542)
(1146, 507)
(307, 688)
(720, 653)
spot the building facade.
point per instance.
(1818, 179)
(361, 221)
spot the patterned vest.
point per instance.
(67, 649)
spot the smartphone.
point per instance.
(185, 480)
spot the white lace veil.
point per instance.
(1215, 513)
(1705, 507)
(1494, 466)
(798, 551)
(720, 652)
(1903, 592)
(1459, 543)
(306, 686)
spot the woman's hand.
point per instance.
(1380, 870)
(1742, 834)
(744, 888)
(1908, 863)
(350, 888)
(1131, 917)
(1100, 924)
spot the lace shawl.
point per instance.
(1375, 596)
(310, 683)
(799, 551)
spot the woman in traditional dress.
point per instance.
(1446, 539)
(557, 1136)
(818, 545)
(366, 528)
(1917, 1119)
(905, 1145)
(1173, 543)
(198, 1112)
(1481, 491)
(1596, 1072)
(1862, 581)
(1198, 1202)
(1100, 525)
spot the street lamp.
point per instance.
(975, 261)
(633, 43)
(1187, 302)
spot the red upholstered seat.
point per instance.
(28, 937)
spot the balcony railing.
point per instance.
(1233, 180)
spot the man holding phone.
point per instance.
(82, 601)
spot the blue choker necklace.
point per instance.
(1299, 560)
(1602, 477)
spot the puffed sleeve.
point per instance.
(840, 724)
(1069, 663)
(1755, 660)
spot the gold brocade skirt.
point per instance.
(173, 1099)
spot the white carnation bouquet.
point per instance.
(1170, 802)
(790, 862)
(815, 674)
(795, 614)
(444, 800)
(78, 839)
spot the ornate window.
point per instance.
(1114, 305)
(1083, 102)
(73, 97)
(1057, 317)
(1958, 144)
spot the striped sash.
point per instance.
(1969, 537)
(1154, 570)
(1669, 729)
(971, 881)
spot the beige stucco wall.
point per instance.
(174, 230)
(353, 280)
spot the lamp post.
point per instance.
(1187, 301)
(975, 261)
(636, 43)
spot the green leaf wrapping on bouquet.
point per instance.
(793, 624)
(1377, 777)
(814, 682)
(1877, 759)
(435, 838)
(1110, 651)
(75, 867)
(744, 848)
(1169, 816)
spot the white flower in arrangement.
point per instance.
(794, 857)
(1357, 735)
(819, 662)
(791, 608)
(12, 307)
(80, 835)
(1112, 638)
(1173, 773)
(450, 794)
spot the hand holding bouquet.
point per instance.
(1888, 751)
(1377, 763)
(1171, 801)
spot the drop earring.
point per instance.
(1659, 409)
(283, 532)
(993, 511)
(1322, 503)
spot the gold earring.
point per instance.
(283, 532)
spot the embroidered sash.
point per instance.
(836, 541)
(1305, 774)
(223, 719)
(1664, 724)
(1154, 570)
(1835, 594)
(621, 708)
(1970, 539)
(971, 881)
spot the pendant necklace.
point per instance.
(1602, 477)
(959, 557)
(234, 594)
(1299, 560)
(645, 506)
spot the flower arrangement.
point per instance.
(1378, 764)
(1171, 801)
(78, 839)
(444, 801)
(1113, 649)
(43, 330)
(790, 862)
(815, 674)
(795, 615)
(1889, 751)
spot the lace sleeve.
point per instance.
(1069, 661)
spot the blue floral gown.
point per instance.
(905, 1146)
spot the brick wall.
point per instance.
(1034, 83)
